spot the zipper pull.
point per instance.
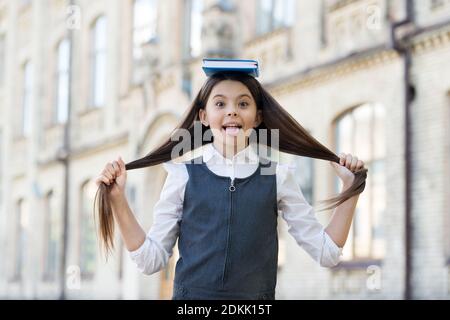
(232, 187)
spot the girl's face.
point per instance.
(230, 112)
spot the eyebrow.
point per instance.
(242, 95)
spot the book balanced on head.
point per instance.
(214, 65)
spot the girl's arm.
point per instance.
(341, 220)
(303, 225)
(132, 233)
(157, 245)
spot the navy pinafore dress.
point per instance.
(228, 241)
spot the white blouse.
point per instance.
(156, 250)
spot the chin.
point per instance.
(232, 141)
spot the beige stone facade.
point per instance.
(322, 60)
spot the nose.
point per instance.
(231, 111)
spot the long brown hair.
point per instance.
(293, 139)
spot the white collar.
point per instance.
(245, 156)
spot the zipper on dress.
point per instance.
(231, 188)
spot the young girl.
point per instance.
(220, 206)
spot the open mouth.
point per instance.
(232, 129)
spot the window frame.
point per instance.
(287, 19)
(354, 255)
(58, 75)
(97, 55)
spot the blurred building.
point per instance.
(82, 82)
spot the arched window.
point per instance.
(62, 81)
(361, 133)
(98, 62)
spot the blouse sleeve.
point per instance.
(302, 222)
(156, 250)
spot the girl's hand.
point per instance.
(348, 164)
(114, 174)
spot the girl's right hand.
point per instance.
(115, 175)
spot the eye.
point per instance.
(219, 104)
(244, 104)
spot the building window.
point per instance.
(196, 22)
(192, 39)
(19, 240)
(361, 133)
(98, 62)
(304, 171)
(1, 167)
(62, 82)
(88, 243)
(274, 14)
(27, 99)
(303, 174)
(193, 22)
(144, 25)
(52, 238)
(446, 125)
(2, 59)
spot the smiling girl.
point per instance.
(221, 207)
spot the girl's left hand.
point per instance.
(348, 165)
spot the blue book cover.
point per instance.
(214, 65)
